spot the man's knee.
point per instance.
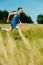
(17, 27)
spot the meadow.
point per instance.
(24, 47)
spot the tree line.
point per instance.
(24, 18)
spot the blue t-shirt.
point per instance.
(15, 19)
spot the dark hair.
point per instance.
(19, 8)
(13, 11)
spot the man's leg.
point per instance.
(18, 28)
(8, 30)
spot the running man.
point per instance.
(14, 20)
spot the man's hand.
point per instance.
(7, 20)
(20, 23)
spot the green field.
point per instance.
(22, 48)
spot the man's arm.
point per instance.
(20, 22)
(13, 13)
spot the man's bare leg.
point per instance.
(17, 27)
(8, 30)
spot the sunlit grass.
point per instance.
(13, 50)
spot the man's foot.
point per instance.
(7, 30)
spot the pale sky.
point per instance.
(30, 7)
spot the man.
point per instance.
(14, 20)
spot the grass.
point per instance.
(13, 51)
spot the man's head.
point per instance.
(20, 10)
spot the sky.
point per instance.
(30, 7)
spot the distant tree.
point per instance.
(3, 16)
(25, 19)
(40, 19)
(0, 15)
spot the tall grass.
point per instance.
(13, 50)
